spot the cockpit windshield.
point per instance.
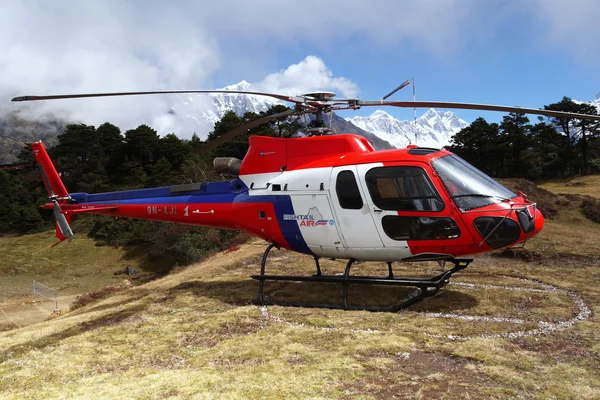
(469, 187)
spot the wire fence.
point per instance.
(45, 291)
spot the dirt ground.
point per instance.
(25, 310)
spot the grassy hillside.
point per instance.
(195, 334)
(568, 229)
(584, 185)
(71, 268)
(512, 325)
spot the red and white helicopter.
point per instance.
(331, 196)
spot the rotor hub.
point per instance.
(320, 96)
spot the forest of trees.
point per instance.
(98, 159)
(518, 148)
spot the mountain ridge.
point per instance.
(195, 107)
(432, 129)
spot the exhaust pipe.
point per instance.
(227, 165)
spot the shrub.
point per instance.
(183, 244)
(91, 297)
(591, 209)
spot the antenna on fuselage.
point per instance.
(415, 108)
(403, 85)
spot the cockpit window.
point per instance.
(469, 187)
(403, 188)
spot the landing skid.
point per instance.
(428, 286)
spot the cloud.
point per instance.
(71, 47)
(111, 45)
(436, 24)
(308, 75)
(571, 26)
(196, 113)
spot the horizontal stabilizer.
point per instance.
(93, 209)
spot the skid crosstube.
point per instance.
(428, 286)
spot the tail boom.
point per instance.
(215, 204)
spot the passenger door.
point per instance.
(401, 198)
(359, 233)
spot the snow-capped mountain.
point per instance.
(200, 112)
(206, 112)
(433, 129)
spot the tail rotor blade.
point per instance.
(61, 222)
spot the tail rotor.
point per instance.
(57, 193)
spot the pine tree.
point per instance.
(480, 144)
(515, 129)
(576, 131)
(285, 127)
(175, 150)
(141, 146)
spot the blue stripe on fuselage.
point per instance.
(210, 192)
(158, 195)
(289, 228)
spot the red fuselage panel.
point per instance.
(269, 154)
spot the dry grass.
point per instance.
(100, 294)
(195, 333)
(71, 268)
(569, 233)
(585, 185)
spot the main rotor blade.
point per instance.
(213, 144)
(483, 107)
(292, 99)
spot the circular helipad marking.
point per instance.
(583, 312)
(543, 327)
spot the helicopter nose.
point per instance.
(539, 222)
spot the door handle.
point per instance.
(377, 210)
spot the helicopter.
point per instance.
(331, 196)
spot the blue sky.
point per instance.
(520, 52)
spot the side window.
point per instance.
(347, 191)
(403, 188)
(419, 228)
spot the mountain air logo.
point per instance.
(312, 218)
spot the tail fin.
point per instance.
(52, 180)
(57, 193)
